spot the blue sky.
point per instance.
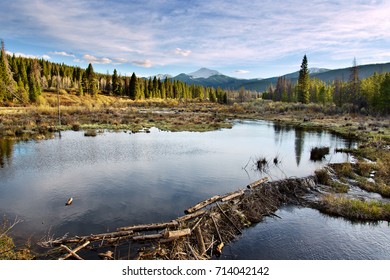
(245, 39)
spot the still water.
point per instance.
(118, 179)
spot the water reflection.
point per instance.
(119, 179)
(6, 148)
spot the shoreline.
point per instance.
(35, 122)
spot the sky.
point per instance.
(242, 39)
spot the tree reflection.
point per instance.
(299, 143)
(6, 148)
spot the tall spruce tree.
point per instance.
(304, 83)
(7, 83)
(134, 87)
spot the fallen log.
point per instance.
(257, 183)
(93, 237)
(232, 195)
(147, 237)
(190, 216)
(146, 227)
(202, 204)
(177, 233)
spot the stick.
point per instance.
(199, 238)
(73, 253)
(202, 204)
(216, 227)
(227, 217)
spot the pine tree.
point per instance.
(134, 87)
(34, 81)
(304, 83)
(90, 80)
(7, 83)
(116, 86)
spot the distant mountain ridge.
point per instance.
(213, 78)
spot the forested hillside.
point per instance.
(24, 79)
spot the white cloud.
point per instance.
(240, 72)
(144, 63)
(95, 60)
(64, 54)
(182, 52)
(19, 54)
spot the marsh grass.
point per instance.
(355, 209)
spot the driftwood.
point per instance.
(232, 195)
(190, 216)
(73, 252)
(199, 239)
(149, 226)
(148, 237)
(177, 233)
(202, 204)
(257, 183)
(93, 237)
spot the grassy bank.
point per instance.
(8, 250)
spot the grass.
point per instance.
(355, 209)
(8, 250)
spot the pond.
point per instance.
(119, 178)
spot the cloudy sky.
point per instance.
(246, 39)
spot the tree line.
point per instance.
(24, 79)
(369, 95)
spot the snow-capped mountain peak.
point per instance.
(203, 73)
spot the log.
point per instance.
(147, 237)
(257, 183)
(232, 195)
(94, 237)
(146, 227)
(202, 204)
(199, 238)
(177, 233)
(190, 216)
(73, 253)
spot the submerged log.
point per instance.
(146, 227)
(202, 204)
(257, 183)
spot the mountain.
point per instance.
(203, 73)
(209, 78)
(212, 78)
(325, 75)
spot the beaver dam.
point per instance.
(200, 234)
